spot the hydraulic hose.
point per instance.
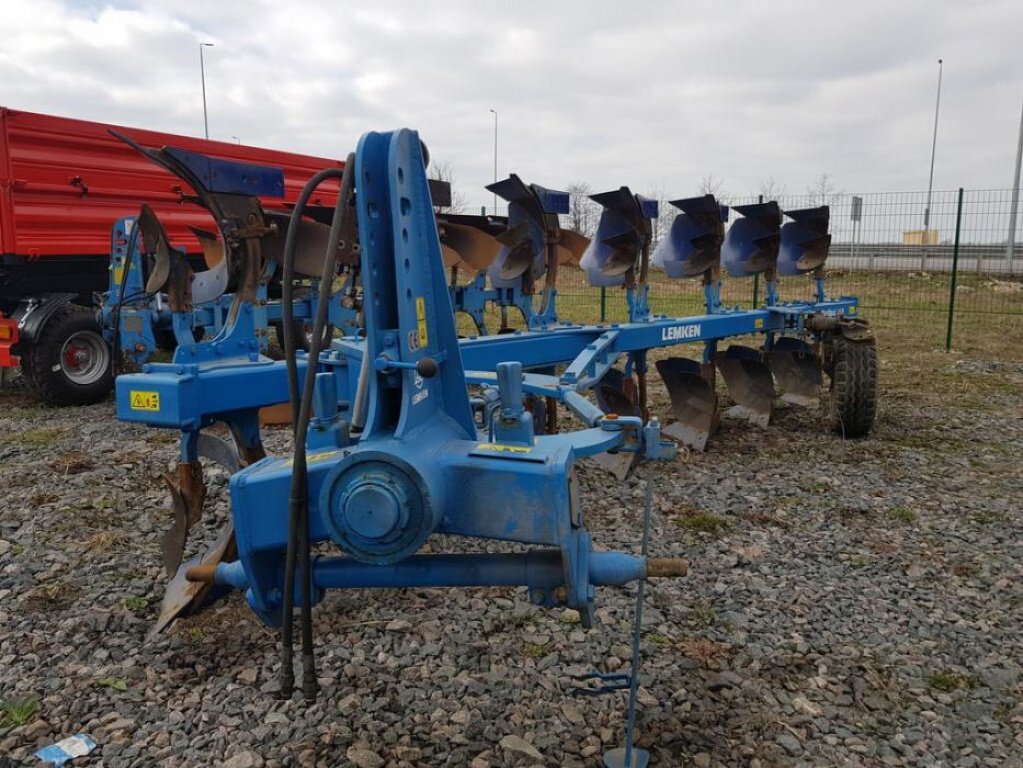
(299, 492)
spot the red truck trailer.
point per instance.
(63, 183)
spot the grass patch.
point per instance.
(17, 712)
(534, 650)
(902, 515)
(38, 437)
(135, 603)
(703, 522)
(50, 596)
(114, 683)
(702, 614)
(948, 681)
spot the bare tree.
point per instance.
(583, 213)
(666, 213)
(445, 172)
(770, 189)
(715, 185)
(823, 190)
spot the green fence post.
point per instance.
(603, 304)
(955, 272)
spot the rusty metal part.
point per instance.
(182, 595)
(796, 368)
(852, 328)
(666, 567)
(571, 247)
(170, 272)
(204, 573)
(212, 248)
(694, 402)
(476, 248)
(616, 394)
(188, 493)
(749, 383)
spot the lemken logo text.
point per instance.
(679, 332)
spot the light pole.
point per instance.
(934, 146)
(202, 74)
(236, 139)
(1015, 196)
(495, 158)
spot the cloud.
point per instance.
(657, 94)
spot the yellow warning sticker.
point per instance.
(118, 274)
(758, 322)
(503, 448)
(421, 321)
(144, 401)
(852, 310)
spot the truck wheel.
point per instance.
(852, 403)
(70, 363)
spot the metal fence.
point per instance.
(954, 283)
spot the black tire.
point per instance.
(852, 404)
(70, 363)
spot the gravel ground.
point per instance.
(849, 603)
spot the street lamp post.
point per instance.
(495, 158)
(934, 146)
(202, 75)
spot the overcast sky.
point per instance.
(648, 94)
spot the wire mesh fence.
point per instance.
(939, 273)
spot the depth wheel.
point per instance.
(852, 401)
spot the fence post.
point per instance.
(955, 272)
(603, 304)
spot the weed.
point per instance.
(72, 463)
(50, 595)
(135, 603)
(703, 523)
(105, 541)
(115, 683)
(702, 614)
(949, 681)
(37, 437)
(657, 639)
(534, 650)
(703, 650)
(38, 499)
(15, 713)
(902, 515)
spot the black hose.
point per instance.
(291, 367)
(298, 530)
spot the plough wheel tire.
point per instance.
(853, 401)
(70, 363)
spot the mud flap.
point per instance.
(797, 371)
(693, 400)
(749, 383)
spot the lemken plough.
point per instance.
(403, 430)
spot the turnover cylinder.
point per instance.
(377, 507)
